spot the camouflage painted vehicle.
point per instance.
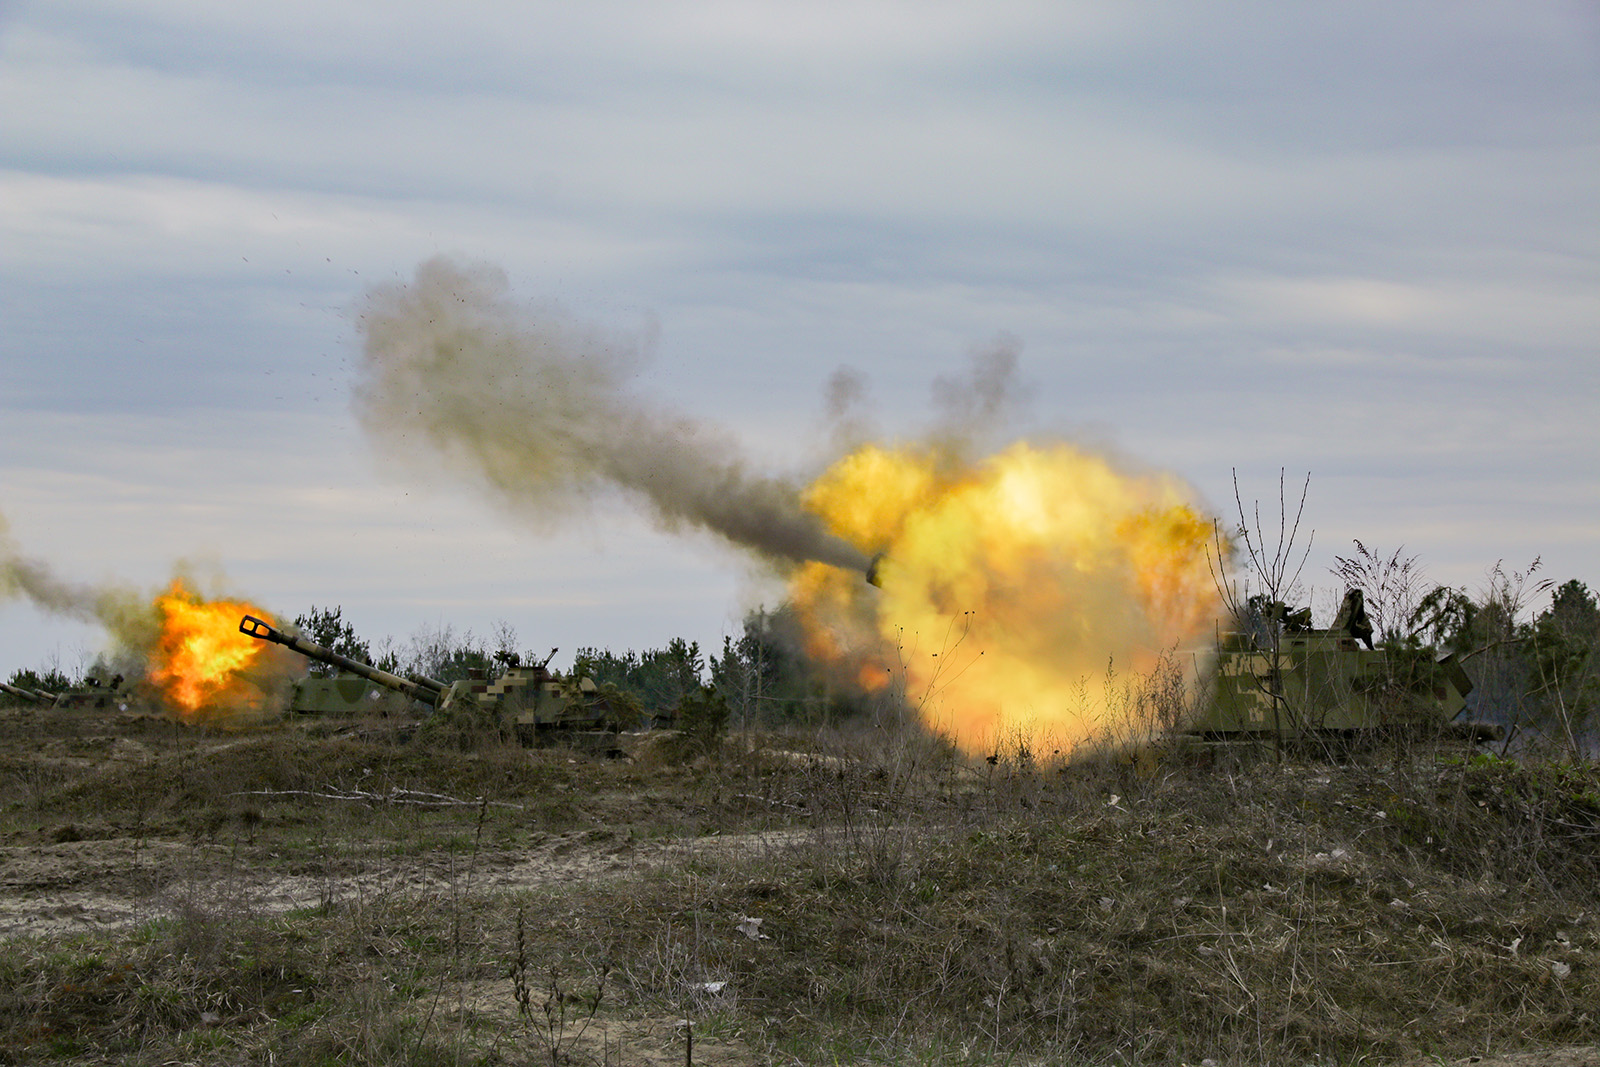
(94, 694)
(91, 695)
(1285, 679)
(530, 700)
(542, 703)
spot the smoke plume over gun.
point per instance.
(183, 644)
(121, 609)
(536, 407)
(1007, 570)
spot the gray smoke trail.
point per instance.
(124, 613)
(978, 410)
(536, 406)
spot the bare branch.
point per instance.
(394, 796)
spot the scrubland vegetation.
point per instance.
(803, 877)
(1527, 643)
(817, 896)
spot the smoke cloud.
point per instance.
(979, 405)
(177, 641)
(120, 609)
(536, 407)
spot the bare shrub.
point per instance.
(1392, 586)
(1256, 592)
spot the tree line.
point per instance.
(760, 678)
(1533, 671)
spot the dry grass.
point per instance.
(914, 908)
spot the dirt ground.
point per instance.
(56, 883)
(1577, 1056)
(60, 878)
(64, 888)
(69, 888)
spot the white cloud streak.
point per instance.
(1358, 239)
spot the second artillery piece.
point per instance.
(530, 700)
(1280, 677)
(30, 696)
(93, 694)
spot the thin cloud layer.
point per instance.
(1358, 241)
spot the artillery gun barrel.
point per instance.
(427, 690)
(35, 696)
(432, 684)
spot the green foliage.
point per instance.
(762, 677)
(465, 661)
(604, 666)
(703, 715)
(680, 666)
(50, 680)
(768, 680)
(1564, 635)
(1563, 639)
(657, 679)
(757, 674)
(1445, 618)
(328, 628)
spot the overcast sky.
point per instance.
(1355, 240)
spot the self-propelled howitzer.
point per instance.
(529, 699)
(1282, 677)
(426, 690)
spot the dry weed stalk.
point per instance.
(556, 1031)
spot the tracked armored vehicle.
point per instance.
(529, 700)
(1282, 679)
(95, 694)
(91, 695)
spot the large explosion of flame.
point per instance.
(1013, 588)
(187, 648)
(1011, 584)
(201, 662)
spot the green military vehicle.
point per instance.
(528, 699)
(93, 694)
(336, 694)
(1282, 678)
